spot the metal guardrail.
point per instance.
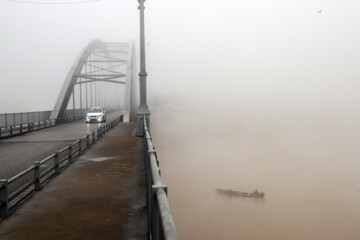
(160, 221)
(40, 173)
(14, 124)
(12, 119)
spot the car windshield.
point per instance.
(95, 110)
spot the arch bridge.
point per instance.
(101, 76)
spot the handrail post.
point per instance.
(56, 160)
(79, 146)
(4, 204)
(37, 175)
(148, 183)
(11, 131)
(87, 140)
(155, 215)
(70, 153)
(93, 137)
(21, 127)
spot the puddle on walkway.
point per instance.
(100, 159)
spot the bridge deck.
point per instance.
(100, 196)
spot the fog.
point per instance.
(40, 42)
(243, 95)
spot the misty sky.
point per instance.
(252, 85)
(279, 53)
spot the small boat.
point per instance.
(255, 194)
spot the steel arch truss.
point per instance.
(100, 76)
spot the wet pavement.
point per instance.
(100, 196)
(19, 153)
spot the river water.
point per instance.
(307, 165)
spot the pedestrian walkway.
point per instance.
(100, 196)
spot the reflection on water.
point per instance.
(308, 168)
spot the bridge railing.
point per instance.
(15, 190)
(12, 119)
(160, 220)
(14, 124)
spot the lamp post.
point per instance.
(143, 109)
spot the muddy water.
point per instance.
(307, 165)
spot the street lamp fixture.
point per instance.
(143, 110)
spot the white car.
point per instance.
(96, 114)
